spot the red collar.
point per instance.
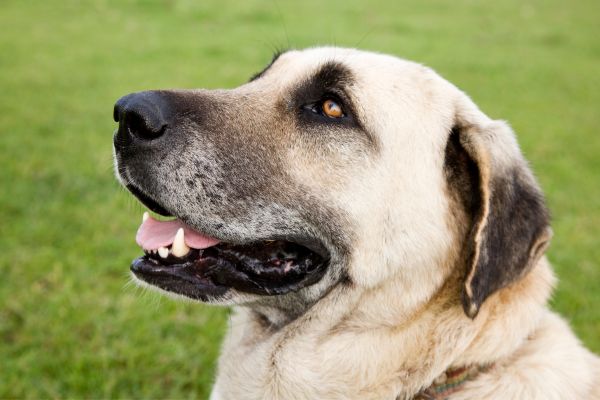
(450, 382)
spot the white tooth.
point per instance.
(145, 216)
(163, 252)
(179, 248)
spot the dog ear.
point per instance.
(510, 223)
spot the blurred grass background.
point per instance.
(71, 327)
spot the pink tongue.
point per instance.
(153, 234)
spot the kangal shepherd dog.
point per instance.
(377, 235)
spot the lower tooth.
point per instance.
(163, 252)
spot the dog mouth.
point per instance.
(179, 259)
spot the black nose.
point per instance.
(141, 115)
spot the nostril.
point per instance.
(141, 128)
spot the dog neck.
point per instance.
(351, 341)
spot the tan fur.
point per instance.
(398, 323)
(342, 349)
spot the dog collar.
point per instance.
(450, 382)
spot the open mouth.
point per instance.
(182, 260)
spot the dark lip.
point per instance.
(314, 245)
(148, 201)
(178, 279)
(214, 271)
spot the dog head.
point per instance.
(331, 166)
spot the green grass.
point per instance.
(71, 327)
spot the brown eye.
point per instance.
(332, 109)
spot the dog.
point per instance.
(376, 234)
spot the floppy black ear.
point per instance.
(510, 228)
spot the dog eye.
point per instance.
(328, 108)
(332, 109)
